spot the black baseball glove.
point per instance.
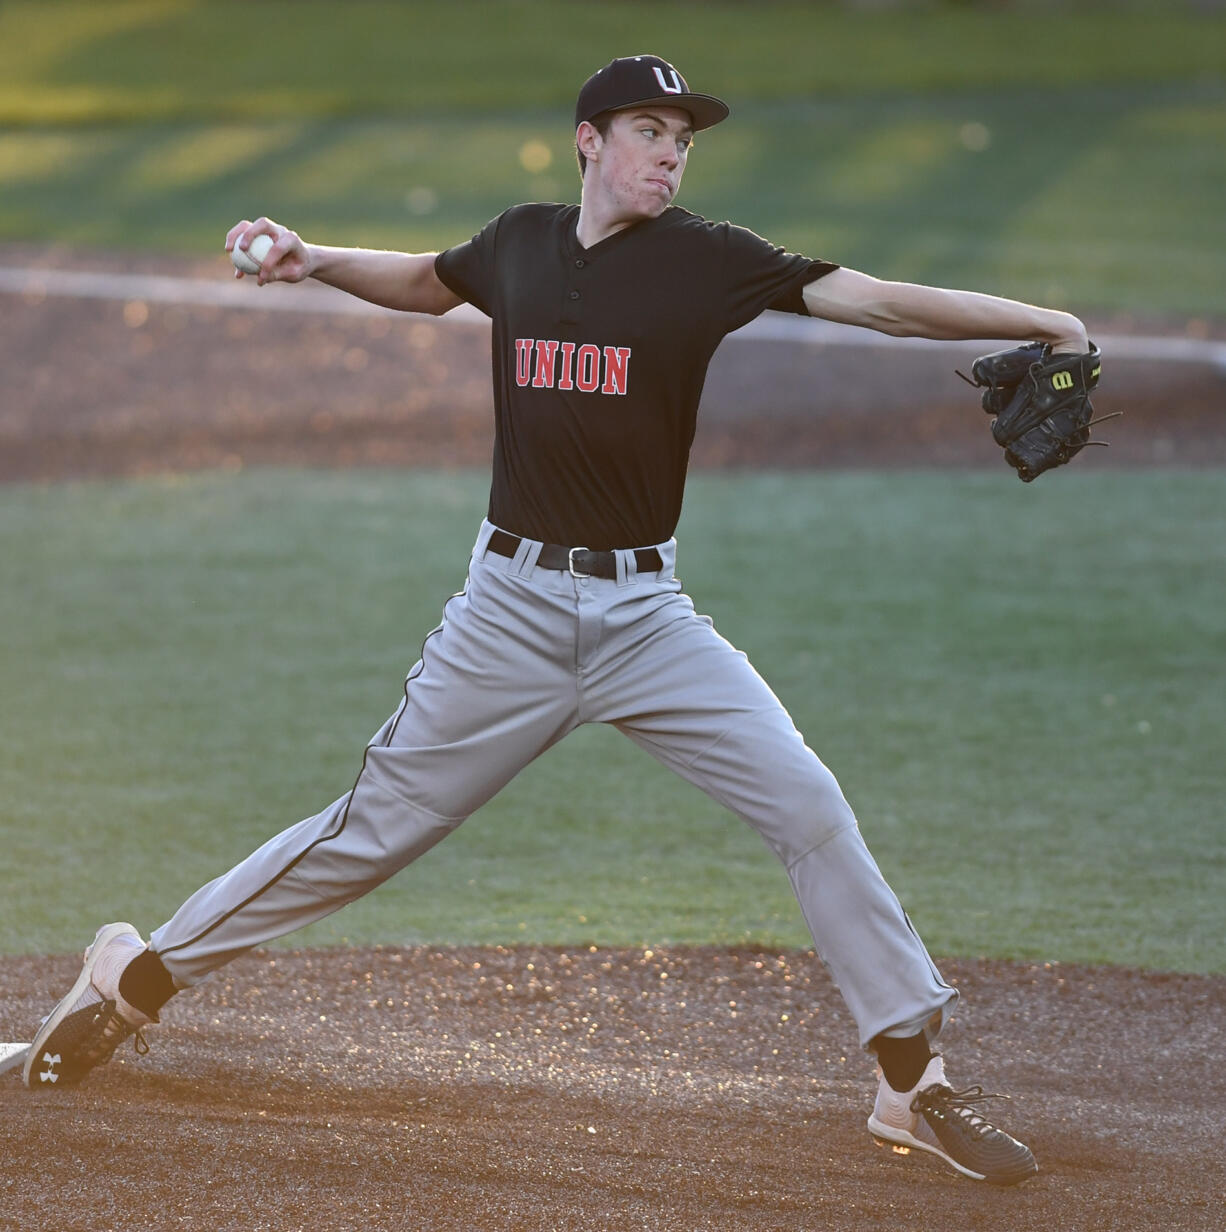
(1040, 403)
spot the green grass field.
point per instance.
(1019, 688)
(1052, 152)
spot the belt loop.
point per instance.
(668, 559)
(627, 566)
(525, 556)
(483, 539)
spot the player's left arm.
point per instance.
(909, 310)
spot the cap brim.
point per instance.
(705, 109)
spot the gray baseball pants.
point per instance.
(522, 657)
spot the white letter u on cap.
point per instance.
(675, 88)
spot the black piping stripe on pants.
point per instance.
(340, 829)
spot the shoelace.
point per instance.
(944, 1101)
(113, 1031)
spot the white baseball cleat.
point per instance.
(933, 1117)
(92, 1019)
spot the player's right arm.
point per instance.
(400, 280)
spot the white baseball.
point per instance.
(249, 262)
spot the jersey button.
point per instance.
(574, 295)
(580, 263)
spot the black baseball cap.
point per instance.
(634, 80)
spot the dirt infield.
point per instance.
(528, 1089)
(589, 1090)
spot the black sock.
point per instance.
(902, 1061)
(146, 984)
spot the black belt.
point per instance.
(578, 562)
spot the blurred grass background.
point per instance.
(1021, 696)
(1049, 151)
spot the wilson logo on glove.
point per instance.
(1040, 404)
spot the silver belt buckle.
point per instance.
(570, 563)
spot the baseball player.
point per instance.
(605, 316)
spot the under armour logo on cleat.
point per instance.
(49, 1074)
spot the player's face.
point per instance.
(641, 161)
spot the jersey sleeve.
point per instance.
(760, 275)
(468, 268)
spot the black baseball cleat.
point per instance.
(92, 1019)
(934, 1117)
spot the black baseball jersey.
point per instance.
(599, 358)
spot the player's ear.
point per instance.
(588, 140)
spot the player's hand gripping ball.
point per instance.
(249, 261)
